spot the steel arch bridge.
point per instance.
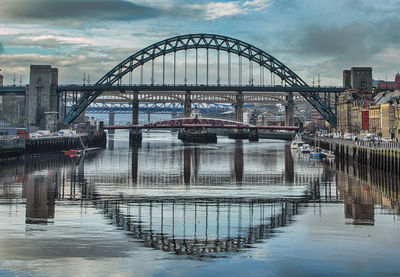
(202, 41)
(157, 108)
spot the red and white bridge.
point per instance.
(195, 122)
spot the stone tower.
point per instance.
(361, 79)
(41, 94)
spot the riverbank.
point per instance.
(380, 156)
(13, 148)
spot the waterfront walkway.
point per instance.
(380, 155)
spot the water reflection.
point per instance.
(199, 227)
(238, 161)
(198, 200)
(40, 192)
(365, 190)
(289, 164)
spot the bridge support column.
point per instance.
(188, 105)
(111, 122)
(239, 107)
(253, 135)
(135, 135)
(238, 133)
(41, 95)
(289, 110)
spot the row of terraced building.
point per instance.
(361, 109)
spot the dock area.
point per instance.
(384, 156)
(11, 148)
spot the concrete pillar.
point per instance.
(111, 122)
(289, 110)
(135, 135)
(41, 94)
(253, 135)
(239, 107)
(188, 105)
(135, 108)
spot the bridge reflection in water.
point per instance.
(198, 165)
(198, 224)
(200, 227)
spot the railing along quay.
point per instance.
(379, 155)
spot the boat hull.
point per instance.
(197, 137)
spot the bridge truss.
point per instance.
(157, 108)
(202, 41)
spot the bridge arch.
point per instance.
(201, 41)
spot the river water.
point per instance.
(167, 209)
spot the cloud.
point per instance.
(348, 40)
(216, 10)
(80, 10)
(75, 12)
(48, 41)
(257, 5)
(353, 42)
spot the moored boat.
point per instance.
(297, 143)
(197, 136)
(317, 154)
(305, 148)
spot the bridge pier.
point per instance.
(238, 133)
(188, 105)
(289, 110)
(135, 135)
(253, 135)
(239, 107)
(41, 95)
(111, 122)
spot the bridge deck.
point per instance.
(243, 88)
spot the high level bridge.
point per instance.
(187, 69)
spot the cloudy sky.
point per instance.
(310, 36)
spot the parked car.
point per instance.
(347, 136)
(367, 137)
(41, 133)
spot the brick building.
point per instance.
(380, 84)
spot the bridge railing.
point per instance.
(371, 144)
(197, 85)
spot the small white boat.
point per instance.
(296, 143)
(305, 148)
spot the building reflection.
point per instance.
(40, 192)
(45, 180)
(198, 225)
(364, 190)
